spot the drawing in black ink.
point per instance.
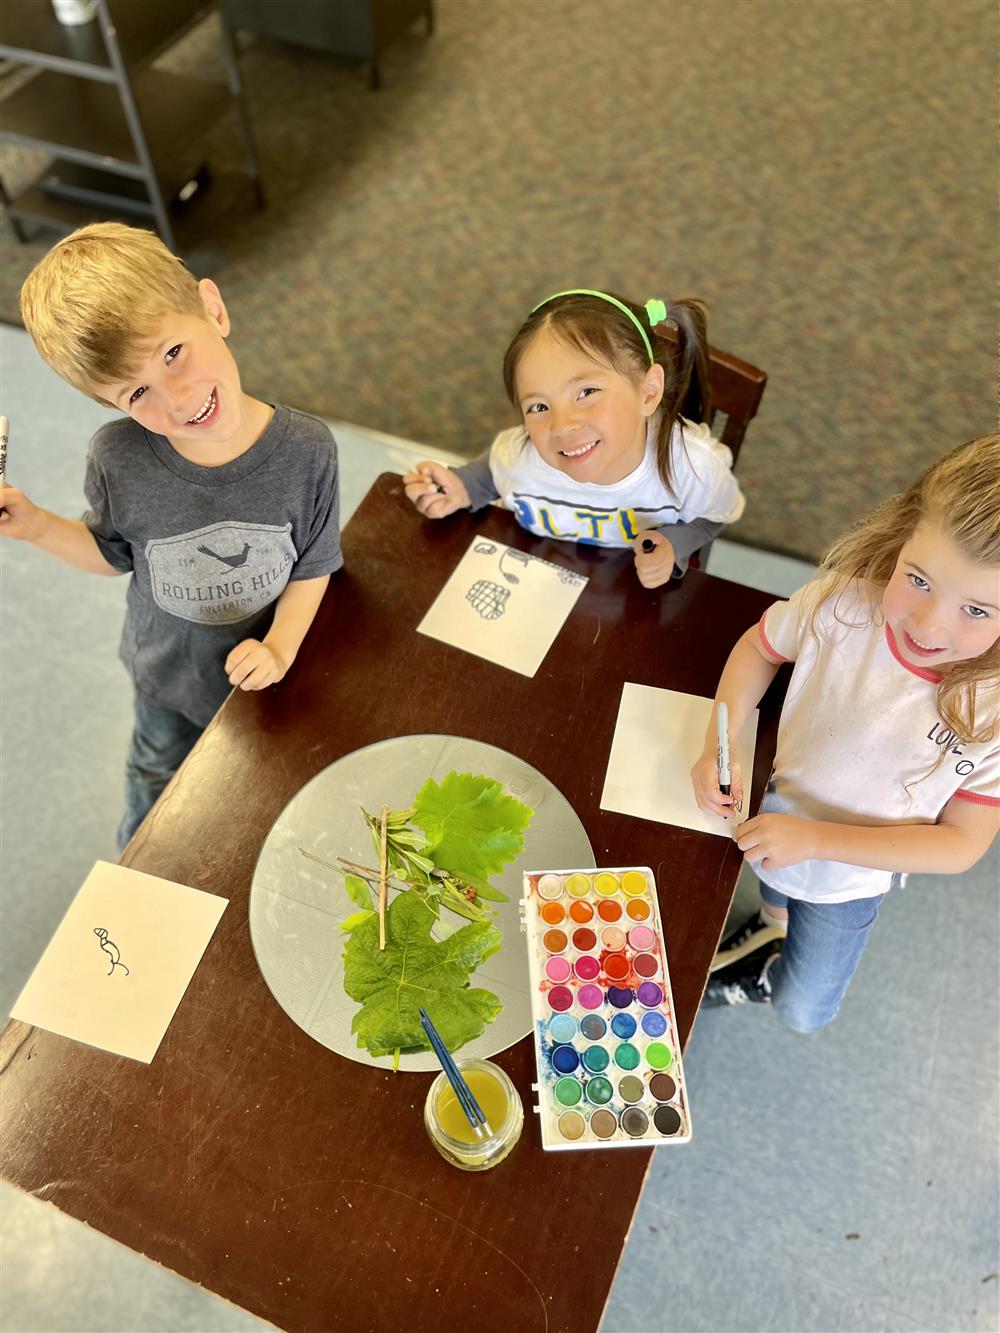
(233, 561)
(568, 576)
(519, 558)
(484, 548)
(110, 948)
(487, 599)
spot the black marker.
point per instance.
(722, 735)
(648, 544)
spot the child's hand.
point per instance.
(654, 558)
(253, 665)
(435, 490)
(705, 781)
(776, 841)
(19, 517)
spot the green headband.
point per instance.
(655, 310)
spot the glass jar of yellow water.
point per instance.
(448, 1125)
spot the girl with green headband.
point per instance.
(612, 449)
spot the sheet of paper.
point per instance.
(658, 736)
(114, 972)
(503, 605)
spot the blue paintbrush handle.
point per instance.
(463, 1092)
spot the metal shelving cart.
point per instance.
(123, 132)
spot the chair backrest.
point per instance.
(737, 388)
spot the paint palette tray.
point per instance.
(606, 1045)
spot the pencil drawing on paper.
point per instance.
(488, 599)
(111, 949)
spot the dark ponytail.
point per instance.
(683, 354)
(598, 328)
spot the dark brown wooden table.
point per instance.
(257, 1163)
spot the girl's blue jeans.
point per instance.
(820, 956)
(160, 743)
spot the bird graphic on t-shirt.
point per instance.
(233, 561)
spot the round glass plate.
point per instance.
(296, 904)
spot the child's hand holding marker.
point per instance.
(435, 490)
(654, 558)
(716, 777)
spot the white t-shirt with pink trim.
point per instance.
(860, 740)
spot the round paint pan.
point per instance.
(592, 1026)
(560, 999)
(635, 1122)
(667, 1120)
(550, 886)
(587, 968)
(590, 996)
(613, 938)
(557, 969)
(599, 1091)
(606, 884)
(603, 1124)
(564, 1060)
(568, 1091)
(596, 1059)
(645, 965)
(649, 994)
(620, 997)
(609, 911)
(633, 883)
(562, 1028)
(552, 913)
(641, 938)
(578, 886)
(663, 1087)
(554, 941)
(630, 1088)
(617, 967)
(638, 909)
(581, 913)
(659, 1055)
(584, 939)
(571, 1125)
(623, 1025)
(627, 1056)
(654, 1024)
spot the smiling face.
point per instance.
(187, 386)
(583, 416)
(940, 605)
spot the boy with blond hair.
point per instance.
(222, 508)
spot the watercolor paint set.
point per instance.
(606, 1044)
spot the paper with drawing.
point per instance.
(120, 961)
(504, 605)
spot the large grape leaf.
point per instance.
(413, 971)
(473, 827)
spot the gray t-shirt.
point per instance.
(210, 549)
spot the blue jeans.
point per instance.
(160, 743)
(820, 956)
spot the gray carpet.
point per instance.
(846, 1181)
(822, 172)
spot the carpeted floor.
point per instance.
(821, 171)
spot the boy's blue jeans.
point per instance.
(820, 956)
(160, 742)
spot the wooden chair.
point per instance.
(737, 388)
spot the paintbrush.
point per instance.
(463, 1092)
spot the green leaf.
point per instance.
(358, 891)
(354, 920)
(473, 827)
(414, 970)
